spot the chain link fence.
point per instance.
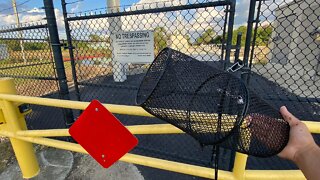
(26, 56)
(188, 30)
(197, 29)
(284, 60)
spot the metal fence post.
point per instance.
(248, 38)
(229, 33)
(57, 54)
(70, 48)
(15, 121)
(223, 40)
(255, 34)
(238, 48)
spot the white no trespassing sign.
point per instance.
(133, 46)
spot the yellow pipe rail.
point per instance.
(131, 158)
(274, 174)
(21, 139)
(134, 129)
(238, 172)
(117, 109)
(314, 127)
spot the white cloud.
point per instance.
(8, 20)
(172, 21)
(32, 18)
(32, 15)
(145, 22)
(207, 18)
(36, 10)
(75, 7)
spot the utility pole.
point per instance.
(14, 6)
(115, 25)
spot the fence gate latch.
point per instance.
(235, 67)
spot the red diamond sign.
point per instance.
(102, 135)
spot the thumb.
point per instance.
(291, 119)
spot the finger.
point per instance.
(291, 119)
(282, 154)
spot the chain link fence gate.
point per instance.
(279, 47)
(26, 56)
(282, 50)
(199, 29)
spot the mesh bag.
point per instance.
(211, 105)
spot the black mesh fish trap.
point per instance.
(211, 105)
(262, 133)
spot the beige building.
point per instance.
(179, 43)
(295, 49)
(295, 38)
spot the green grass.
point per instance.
(44, 70)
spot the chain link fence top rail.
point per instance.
(287, 54)
(178, 24)
(26, 56)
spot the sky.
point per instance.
(31, 10)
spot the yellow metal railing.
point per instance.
(14, 127)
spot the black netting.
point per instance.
(263, 132)
(210, 105)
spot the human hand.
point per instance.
(300, 140)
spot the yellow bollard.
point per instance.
(239, 166)
(14, 121)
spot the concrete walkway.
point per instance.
(58, 164)
(85, 167)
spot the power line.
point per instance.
(74, 2)
(6, 15)
(23, 3)
(20, 4)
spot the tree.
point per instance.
(263, 35)
(243, 31)
(160, 38)
(217, 40)
(95, 38)
(187, 37)
(206, 37)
